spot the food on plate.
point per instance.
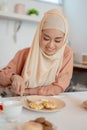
(42, 104)
(36, 105)
(40, 120)
(47, 123)
(31, 125)
(49, 105)
(85, 104)
(38, 124)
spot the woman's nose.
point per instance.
(51, 44)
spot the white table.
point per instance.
(71, 117)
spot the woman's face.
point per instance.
(51, 41)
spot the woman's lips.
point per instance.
(50, 49)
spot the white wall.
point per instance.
(76, 12)
(24, 36)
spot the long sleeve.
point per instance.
(62, 80)
(15, 66)
(65, 75)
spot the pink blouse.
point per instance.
(16, 65)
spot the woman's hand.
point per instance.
(17, 84)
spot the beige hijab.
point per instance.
(41, 69)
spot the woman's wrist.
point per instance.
(61, 89)
(31, 91)
(26, 92)
(11, 79)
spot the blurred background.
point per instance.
(17, 29)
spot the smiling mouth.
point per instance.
(50, 49)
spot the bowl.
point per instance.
(12, 109)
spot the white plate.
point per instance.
(59, 103)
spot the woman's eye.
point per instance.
(58, 41)
(45, 38)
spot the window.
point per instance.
(53, 1)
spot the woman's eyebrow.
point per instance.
(46, 34)
(59, 37)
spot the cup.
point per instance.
(12, 109)
(19, 8)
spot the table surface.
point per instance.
(72, 117)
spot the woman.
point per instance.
(45, 68)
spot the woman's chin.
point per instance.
(49, 53)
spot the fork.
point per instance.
(28, 101)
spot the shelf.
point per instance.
(79, 65)
(19, 17)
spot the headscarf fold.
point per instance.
(41, 69)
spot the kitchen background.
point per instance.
(16, 34)
(12, 40)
